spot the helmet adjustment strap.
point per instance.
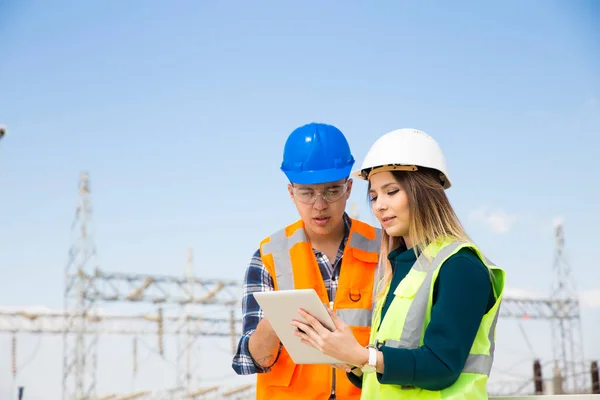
(366, 173)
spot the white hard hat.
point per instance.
(404, 150)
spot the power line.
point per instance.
(562, 309)
(189, 298)
(54, 322)
(86, 286)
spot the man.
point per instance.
(328, 251)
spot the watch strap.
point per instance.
(372, 356)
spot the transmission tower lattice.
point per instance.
(87, 286)
(80, 349)
(561, 308)
(567, 339)
(184, 373)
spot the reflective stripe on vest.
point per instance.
(409, 316)
(413, 327)
(290, 260)
(279, 247)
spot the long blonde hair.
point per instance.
(431, 217)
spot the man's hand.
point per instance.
(345, 367)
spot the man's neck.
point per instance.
(325, 242)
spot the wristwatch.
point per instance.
(371, 365)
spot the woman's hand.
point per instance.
(339, 344)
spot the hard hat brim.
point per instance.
(446, 184)
(382, 168)
(318, 177)
(358, 174)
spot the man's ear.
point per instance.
(291, 191)
(349, 190)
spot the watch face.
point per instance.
(368, 369)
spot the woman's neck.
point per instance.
(407, 242)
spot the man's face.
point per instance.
(321, 206)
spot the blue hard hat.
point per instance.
(316, 153)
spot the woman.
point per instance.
(436, 307)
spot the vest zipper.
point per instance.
(332, 383)
(332, 368)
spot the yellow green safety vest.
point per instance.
(409, 314)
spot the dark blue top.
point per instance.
(462, 295)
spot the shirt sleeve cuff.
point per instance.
(355, 380)
(399, 366)
(244, 363)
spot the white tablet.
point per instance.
(281, 307)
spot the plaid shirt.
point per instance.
(258, 279)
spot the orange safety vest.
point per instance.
(290, 260)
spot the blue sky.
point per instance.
(180, 111)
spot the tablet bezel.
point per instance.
(280, 307)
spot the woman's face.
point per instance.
(390, 204)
